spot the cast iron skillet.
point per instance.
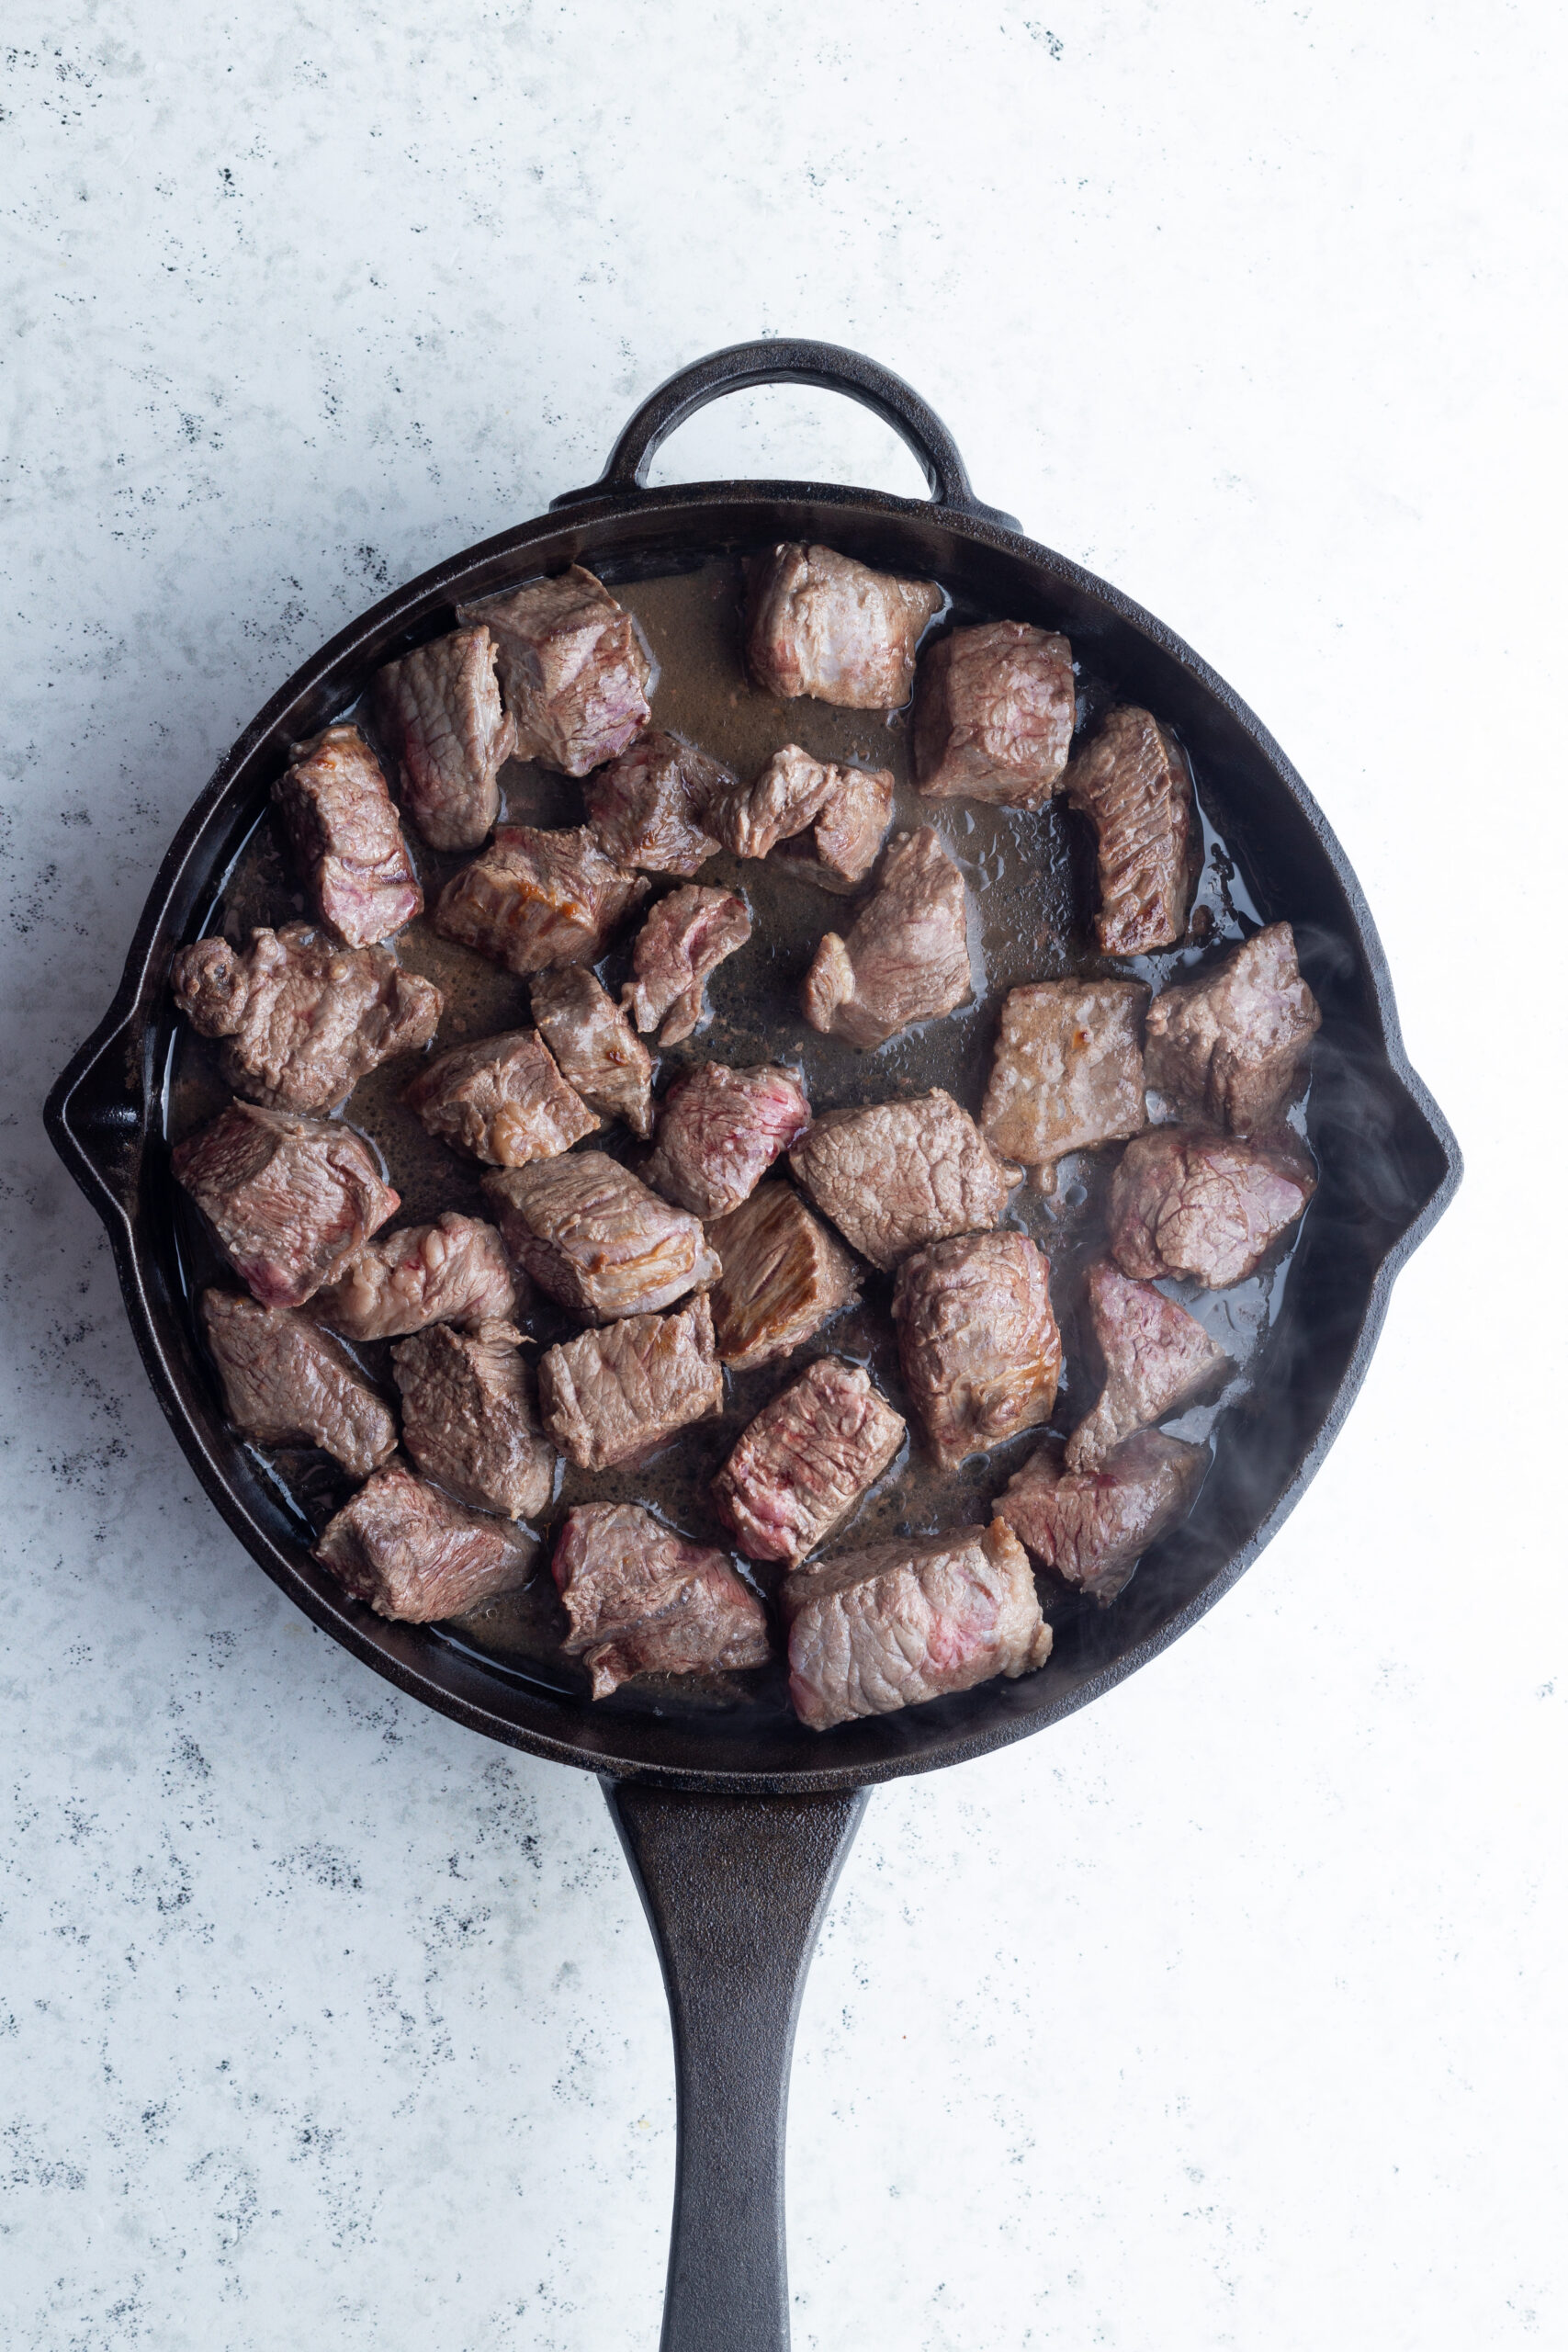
(736, 1829)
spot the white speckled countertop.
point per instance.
(1229, 2012)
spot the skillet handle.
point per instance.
(94, 1116)
(735, 1889)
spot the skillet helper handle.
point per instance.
(735, 1889)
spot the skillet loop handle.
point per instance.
(95, 1116)
(735, 1889)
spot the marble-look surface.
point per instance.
(1227, 2014)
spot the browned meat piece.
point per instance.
(1092, 1525)
(415, 1554)
(502, 1099)
(598, 1051)
(536, 898)
(1132, 780)
(978, 1342)
(805, 1461)
(821, 624)
(648, 807)
(469, 1419)
(643, 1600)
(1232, 1047)
(687, 935)
(900, 1174)
(346, 839)
(572, 667)
(906, 957)
(286, 1384)
(720, 1131)
(305, 1018)
(1069, 1072)
(289, 1199)
(594, 1236)
(994, 715)
(784, 1275)
(874, 1631)
(839, 851)
(1184, 1201)
(1158, 1360)
(615, 1394)
(438, 712)
(751, 819)
(452, 1272)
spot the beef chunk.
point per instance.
(438, 712)
(648, 807)
(838, 850)
(720, 1131)
(1158, 1360)
(643, 1600)
(452, 1272)
(978, 1342)
(887, 1627)
(572, 667)
(1186, 1202)
(805, 1461)
(469, 1418)
(1069, 1072)
(784, 1275)
(615, 1394)
(346, 839)
(1092, 1525)
(1133, 780)
(685, 937)
(594, 1236)
(906, 957)
(415, 1554)
(994, 715)
(900, 1174)
(290, 1199)
(1232, 1047)
(502, 1099)
(821, 624)
(304, 1017)
(286, 1384)
(597, 1048)
(537, 898)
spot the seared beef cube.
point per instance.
(838, 850)
(289, 1199)
(720, 1131)
(835, 819)
(1232, 1047)
(502, 1099)
(889, 1626)
(597, 1050)
(594, 1236)
(1186, 1202)
(1133, 780)
(1069, 1072)
(687, 936)
(572, 667)
(452, 1272)
(286, 1384)
(784, 1275)
(1092, 1525)
(469, 1418)
(304, 1017)
(749, 819)
(978, 1342)
(643, 1600)
(906, 957)
(1158, 1360)
(994, 715)
(536, 898)
(821, 624)
(615, 1394)
(901, 1174)
(648, 807)
(346, 839)
(438, 712)
(415, 1554)
(805, 1461)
